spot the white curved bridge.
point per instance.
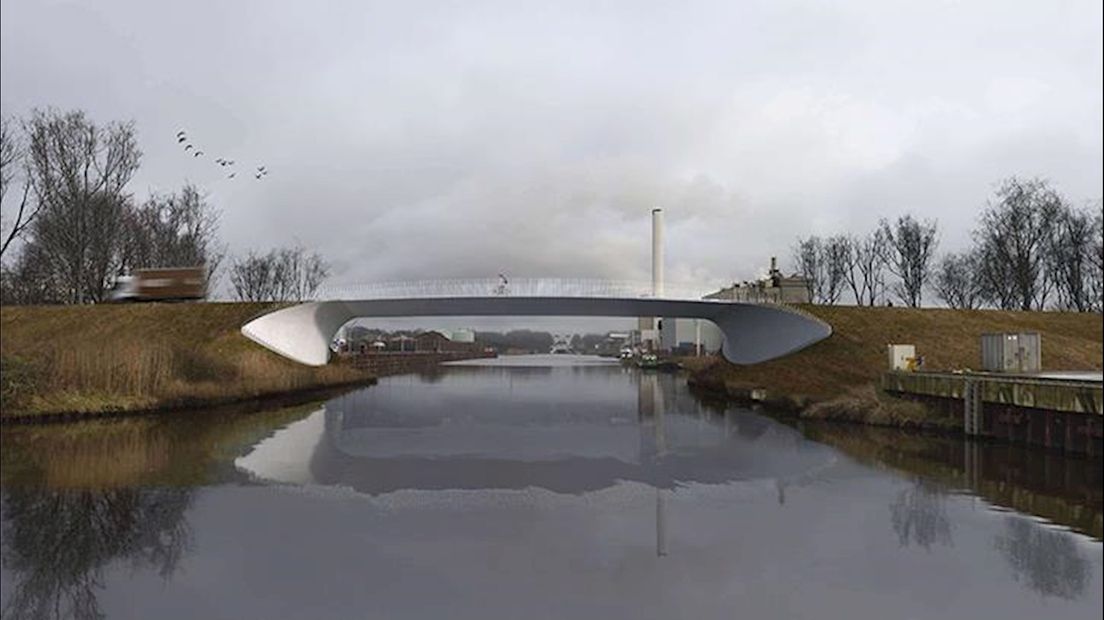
(753, 331)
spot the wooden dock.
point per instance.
(1056, 410)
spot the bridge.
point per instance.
(754, 330)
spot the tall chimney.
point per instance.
(657, 252)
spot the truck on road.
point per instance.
(166, 284)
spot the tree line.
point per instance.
(71, 227)
(1032, 249)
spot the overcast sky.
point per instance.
(460, 139)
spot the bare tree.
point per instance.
(994, 274)
(11, 164)
(285, 274)
(837, 257)
(251, 278)
(314, 273)
(10, 154)
(31, 280)
(824, 265)
(1096, 263)
(173, 230)
(1069, 258)
(866, 269)
(81, 245)
(956, 280)
(1013, 237)
(79, 171)
(807, 256)
(910, 248)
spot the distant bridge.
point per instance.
(753, 331)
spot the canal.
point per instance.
(537, 487)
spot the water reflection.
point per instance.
(1046, 560)
(577, 438)
(919, 515)
(617, 490)
(572, 439)
(59, 544)
(1066, 490)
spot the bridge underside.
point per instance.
(753, 333)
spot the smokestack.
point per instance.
(657, 252)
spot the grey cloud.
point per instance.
(448, 140)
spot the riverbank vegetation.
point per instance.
(840, 377)
(94, 359)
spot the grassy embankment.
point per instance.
(119, 358)
(839, 378)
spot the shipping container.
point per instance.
(1011, 352)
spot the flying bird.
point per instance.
(197, 153)
(231, 175)
(180, 139)
(187, 147)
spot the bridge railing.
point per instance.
(517, 287)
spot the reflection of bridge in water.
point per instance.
(753, 331)
(377, 444)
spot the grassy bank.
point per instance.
(119, 358)
(838, 378)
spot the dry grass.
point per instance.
(854, 356)
(869, 405)
(117, 358)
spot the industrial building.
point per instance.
(775, 288)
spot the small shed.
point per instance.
(1011, 352)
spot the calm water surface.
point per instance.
(538, 487)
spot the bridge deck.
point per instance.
(753, 332)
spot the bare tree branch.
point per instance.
(79, 171)
(910, 248)
(11, 160)
(1013, 236)
(284, 274)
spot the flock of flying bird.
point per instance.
(182, 138)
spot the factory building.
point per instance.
(776, 288)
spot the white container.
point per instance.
(900, 355)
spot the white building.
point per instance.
(687, 333)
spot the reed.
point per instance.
(117, 358)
